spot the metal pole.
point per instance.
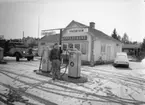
(38, 35)
(23, 37)
(60, 38)
(38, 26)
(60, 42)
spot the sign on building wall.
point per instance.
(74, 38)
(78, 30)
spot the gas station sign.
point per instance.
(47, 33)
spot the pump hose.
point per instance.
(65, 66)
(61, 64)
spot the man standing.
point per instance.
(55, 59)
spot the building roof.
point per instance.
(98, 33)
(131, 46)
(95, 32)
(51, 38)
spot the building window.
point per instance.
(103, 48)
(42, 43)
(70, 45)
(77, 46)
(117, 44)
(64, 47)
(83, 48)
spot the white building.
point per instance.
(91, 42)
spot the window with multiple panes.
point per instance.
(42, 43)
(70, 45)
(64, 46)
(80, 47)
(77, 46)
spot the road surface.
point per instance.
(106, 85)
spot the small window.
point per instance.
(64, 47)
(77, 46)
(42, 43)
(83, 48)
(70, 45)
(117, 44)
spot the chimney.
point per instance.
(92, 25)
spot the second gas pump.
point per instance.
(74, 68)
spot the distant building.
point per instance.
(131, 49)
(93, 43)
(1, 36)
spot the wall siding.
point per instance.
(114, 49)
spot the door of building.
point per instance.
(108, 53)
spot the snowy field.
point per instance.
(106, 85)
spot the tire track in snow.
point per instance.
(103, 98)
(41, 100)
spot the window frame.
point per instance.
(79, 46)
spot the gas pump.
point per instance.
(74, 64)
(46, 64)
(74, 68)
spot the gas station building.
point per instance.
(92, 43)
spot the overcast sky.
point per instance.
(127, 16)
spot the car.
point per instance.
(121, 59)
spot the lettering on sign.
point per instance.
(47, 33)
(78, 30)
(74, 38)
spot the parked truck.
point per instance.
(16, 49)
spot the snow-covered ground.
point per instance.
(106, 85)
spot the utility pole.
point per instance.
(23, 37)
(38, 26)
(60, 39)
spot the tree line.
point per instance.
(124, 39)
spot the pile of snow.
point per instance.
(143, 61)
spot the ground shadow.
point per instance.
(13, 59)
(64, 77)
(122, 67)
